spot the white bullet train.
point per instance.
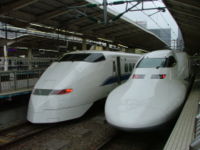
(152, 94)
(69, 87)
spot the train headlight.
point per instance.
(138, 76)
(158, 76)
(61, 92)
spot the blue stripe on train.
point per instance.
(114, 79)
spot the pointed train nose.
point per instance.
(132, 113)
(134, 116)
(132, 106)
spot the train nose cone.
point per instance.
(131, 114)
(132, 106)
(37, 102)
(36, 106)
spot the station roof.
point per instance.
(39, 45)
(186, 13)
(68, 15)
(37, 42)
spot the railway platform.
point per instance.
(10, 94)
(15, 83)
(184, 134)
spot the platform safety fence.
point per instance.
(195, 145)
(15, 63)
(16, 80)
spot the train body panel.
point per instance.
(87, 82)
(152, 94)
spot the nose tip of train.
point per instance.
(36, 108)
(132, 120)
(129, 114)
(130, 110)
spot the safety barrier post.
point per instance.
(15, 80)
(0, 84)
(195, 145)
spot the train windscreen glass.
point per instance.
(87, 57)
(152, 63)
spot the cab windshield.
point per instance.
(152, 63)
(157, 62)
(87, 57)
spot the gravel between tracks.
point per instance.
(76, 135)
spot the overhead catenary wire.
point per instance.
(150, 17)
(165, 20)
(105, 4)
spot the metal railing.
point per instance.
(195, 145)
(15, 63)
(16, 80)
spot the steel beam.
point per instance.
(57, 12)
(105, 13)
(16, 5)
(184, 12)
(22, 16)
(50, 15)
(178, 3)
(77, 21)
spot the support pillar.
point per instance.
(130, 50)
(107, 46)
(29, 59)
(84, 44)
(5, 47)
(5, 57)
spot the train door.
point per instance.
(173, 66)
(119, 74)
(116, 71)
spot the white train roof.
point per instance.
(107, 53)
(164, 53)
(159, 54)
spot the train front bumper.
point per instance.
(145, 105)
(50, 109)
(57, 115)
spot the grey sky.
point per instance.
(157, 20)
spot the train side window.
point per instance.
(86, 57)
(126, 67)
(152, 63)
(171, 61)
(101, 58)
(114, 67)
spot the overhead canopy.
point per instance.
(187, 15)
(36, 42)
(49, 46)
(64, 14)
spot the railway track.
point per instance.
(90, 132)
(135, 141)
(19, 132)
(106, 142)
